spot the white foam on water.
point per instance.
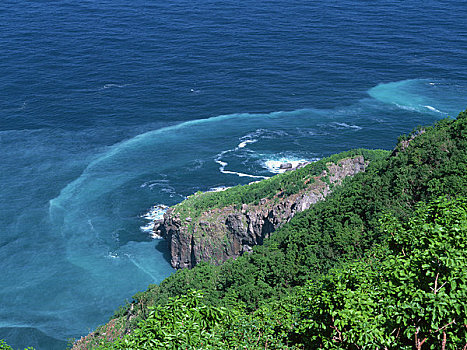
(153, 183)
(244, 175)
(274, 165)
(140, 267)
(155, 213)
(79, 204)
(113, 85)
(222, 164)
(23, 106)
(240, 174)
(112, 255)
(415, 95)
(92, 195)
(246, 142)
(148, 229)
(105, 173)
(407, 108)
(350, 126)
(218, 189)
(433, 109)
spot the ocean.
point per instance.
(109, 109)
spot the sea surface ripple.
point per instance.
(112, 110)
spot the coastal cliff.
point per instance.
(221, 233)
(383, 235)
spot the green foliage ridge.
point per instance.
(286, 184)
(380, 264)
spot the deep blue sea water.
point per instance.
(110, 107)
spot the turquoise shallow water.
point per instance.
(108, 108)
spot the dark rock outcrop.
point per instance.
(222, 233)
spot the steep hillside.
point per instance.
(217, 233)
(344, 246)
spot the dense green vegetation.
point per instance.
(371, 267)
(5, 346)
(341, 228)
(410, 292)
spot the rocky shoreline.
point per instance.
(219, 234)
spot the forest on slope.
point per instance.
(215, 227)
(380, 264)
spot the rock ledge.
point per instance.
(222, 233)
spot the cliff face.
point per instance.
(222, 233)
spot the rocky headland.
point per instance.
(221, 233)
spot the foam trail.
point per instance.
(273, 164)
(133, 261)
(244, 175)
(433, 109)
(113, 85)
(92, 212)
(350, 126)
(244, 143)
(94, 194)
(223, 171)
(91, 198)
(219, 188)
(94, 175)
(224, 164)
(416, 95)
(155, 213)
